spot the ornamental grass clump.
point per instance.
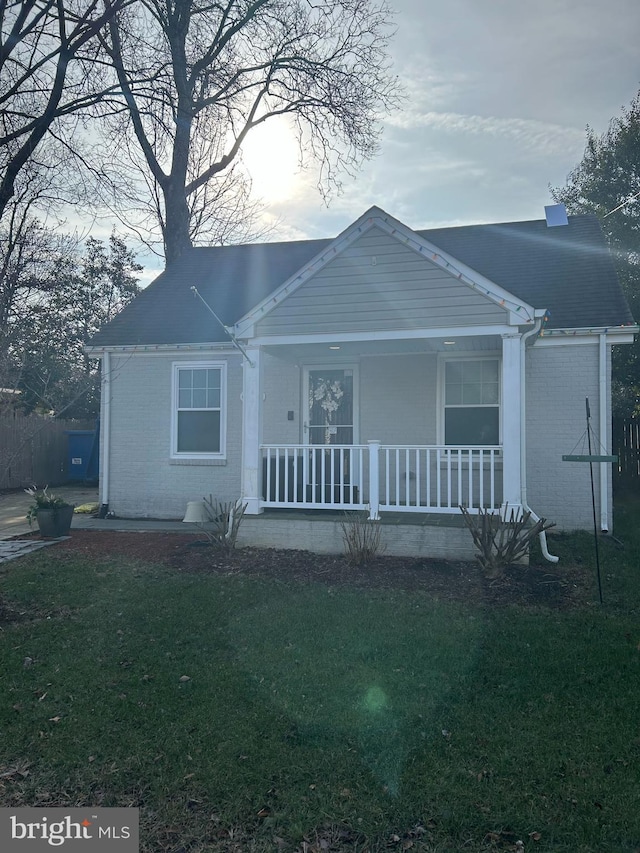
(223, 525)
(500, 542)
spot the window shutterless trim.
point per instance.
(176, 367)
(442, 390)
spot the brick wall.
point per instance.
(559, 378)
(398, 399)
(398, 404)
(145, 481)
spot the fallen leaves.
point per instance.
(507, 840)
(20, 768)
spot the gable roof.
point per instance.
(356, 250)
(567, 270)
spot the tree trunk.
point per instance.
(175, 231)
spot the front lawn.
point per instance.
(243, 712)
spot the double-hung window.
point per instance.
(472, 401)
(199, 403)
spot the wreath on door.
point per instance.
(327, 393)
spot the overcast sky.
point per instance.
(499, 96)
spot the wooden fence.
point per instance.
(626, 444)
(34, 449)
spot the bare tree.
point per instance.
(220, 211)
(197, 76)
(48, 70)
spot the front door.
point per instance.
(330, 424)
(330, 406)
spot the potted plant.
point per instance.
(52, 513)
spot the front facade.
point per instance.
(377, 372)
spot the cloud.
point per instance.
(546, 138)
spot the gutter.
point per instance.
(105, 426)
(602, 405)
(523, 446)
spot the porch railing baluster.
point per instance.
(374, 479)
(286, 474)
(493, 482)
(428, 475)
(358, 476)
(387, 483)
(407, 479)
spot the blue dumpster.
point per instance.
(83, 454)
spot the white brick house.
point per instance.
(401, 372)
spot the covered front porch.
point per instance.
(414, 425)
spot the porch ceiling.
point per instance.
(354, 349)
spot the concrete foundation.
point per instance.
(324, 536)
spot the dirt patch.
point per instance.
(545, 585)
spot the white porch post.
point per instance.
(511, 424)
(251, 430)
(374, 479)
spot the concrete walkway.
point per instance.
(14, 506)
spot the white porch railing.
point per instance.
(396, 478)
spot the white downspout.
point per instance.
(523, 444)
(602, 405)
(105, 429)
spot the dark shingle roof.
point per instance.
(566, 269)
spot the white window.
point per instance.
(472, 401)
(199, 410)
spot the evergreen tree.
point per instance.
(606, 182)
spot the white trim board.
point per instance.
(391, 335)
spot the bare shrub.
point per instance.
(502, 542)
(362, 538)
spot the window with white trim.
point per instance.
(472, 401)
(199, 410)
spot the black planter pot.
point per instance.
(54, 523)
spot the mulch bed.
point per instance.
(558, 587)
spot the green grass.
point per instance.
(347, 717)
